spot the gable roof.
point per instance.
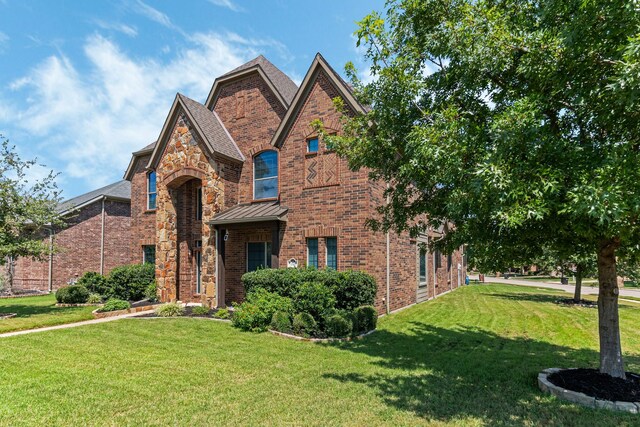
(282, 86)
(207, 125)
(318, 65)
(120, 190)
(128, 175)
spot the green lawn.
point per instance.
(38, 312)
(470, 357)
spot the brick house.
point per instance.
(243, 181)
(96, 238)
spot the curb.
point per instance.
(580, 398)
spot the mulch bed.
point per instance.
(601, 386)
(582, 303)
(188, 312)
(142, 303)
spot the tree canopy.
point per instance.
(515, 121)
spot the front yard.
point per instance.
(38, 312)
(468, 358)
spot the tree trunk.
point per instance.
(577, 294)
(10, 266)
(609, 323)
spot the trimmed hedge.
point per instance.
(367, 318)
(73, 294)
(95, 283)
(350, 288)
(314, 298)
(281, 321)
(304, 324)
(256, 312)
(338, 326)
(130, 282)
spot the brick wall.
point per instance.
(143, 221)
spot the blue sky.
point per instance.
(85, 83)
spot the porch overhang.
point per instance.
(254, 212)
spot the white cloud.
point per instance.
(153, 14)
(228, 4)
(128, 30)
(86, 124)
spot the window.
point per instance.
(332, 252)
(151, 190)
(149, 254)
(265, 175)
(437, 259)
(258, 255)
(198, 254)
(423, 266)
(199, 204)
(312, 145)
(312, 253)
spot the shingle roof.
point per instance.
(145, 149)
(217, 136)
(266, 211)
(280, 80)
(117, 190)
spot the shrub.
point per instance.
(74, 294)
(170, 309)
(314, 298)
(200, 310)
(95, 283)
(304, 324)
(129, 282)
(256, 312)
(94, 299)
(151, 292)
(367, 317)
(353, 289)
(338, 327)
(223, 313)
(115, 304)
(281, 321)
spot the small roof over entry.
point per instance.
(254, 212)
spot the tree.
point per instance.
(27, 208)
(515, 121)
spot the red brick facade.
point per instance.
(323, 197)
(79, 247)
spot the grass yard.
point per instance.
(470, 358)
(38, 312)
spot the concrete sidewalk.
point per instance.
(74, 325)
(586, 290)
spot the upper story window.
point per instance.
(265, 175)
(151, 190)
(312, 145)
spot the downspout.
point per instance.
(388, 266)
(51, 259)
(102, 241)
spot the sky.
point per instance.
(83, 84)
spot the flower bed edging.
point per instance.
(321, 340)
(7, 315)
(581, 398)
(99, 315)
(76, 305)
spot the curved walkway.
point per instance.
(586, 290)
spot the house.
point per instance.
(96, 238)
(243, 181)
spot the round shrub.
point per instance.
(304, 324)
(314, 298)
(170, 309)
(353, 289)
(130, 282)
(115, 304)
(200, 310)
(367, 318)
(94, 299)
(281, 321)
(74, 294)
(256, 312)
(95, 283)
(338, 327)
(248, 317)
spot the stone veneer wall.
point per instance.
(183, 159)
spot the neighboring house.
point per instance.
(243, 181)
(96, 238)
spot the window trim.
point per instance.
(277, 175)
(326, 252)
(149, 192)
(317, 265)
(317, 150)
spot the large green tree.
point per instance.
(517, 122)
(27, 208)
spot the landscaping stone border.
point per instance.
(100, 315)
(581, 398)
(7, 315)
(77, 305)
(321, 340)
